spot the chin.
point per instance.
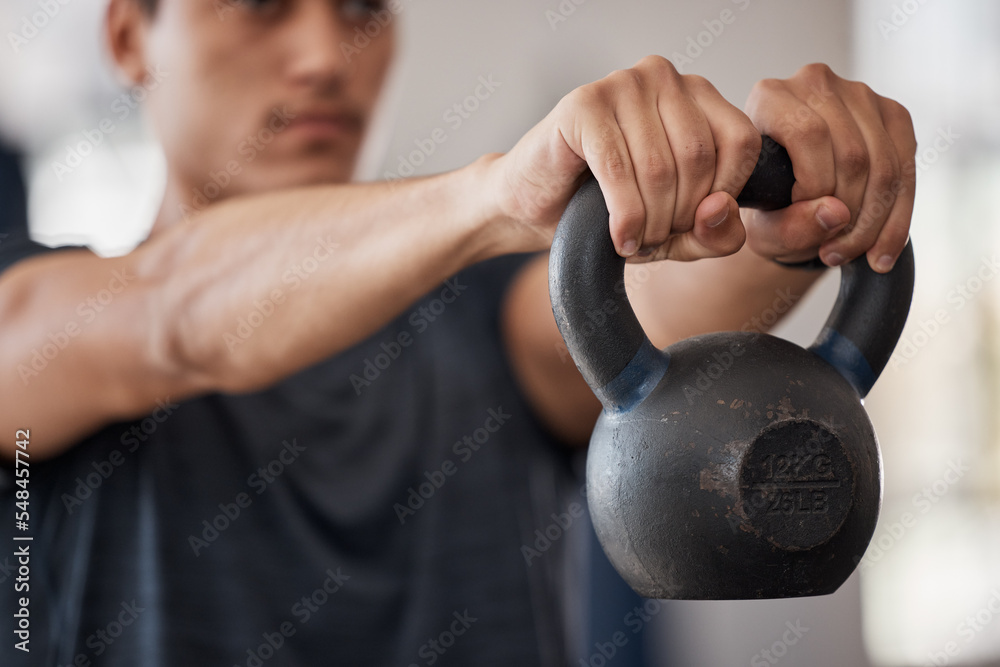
(304, 172)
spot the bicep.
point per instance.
(73, 327)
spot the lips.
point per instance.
(326, 123)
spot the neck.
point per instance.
(179, 206)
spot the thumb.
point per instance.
(717, 232)
(795, 233)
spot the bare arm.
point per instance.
(310, 271)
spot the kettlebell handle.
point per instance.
(587, 289)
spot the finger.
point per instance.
(606, 153)
(717, 232)
(653, 165)
(737, 141)
(883, 181)
(794, 233)
(777, 112)
(892, 238)
(693, 149)
(850, 154)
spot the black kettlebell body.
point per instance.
(723, 483)
(731, 465)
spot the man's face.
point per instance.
(277, 92)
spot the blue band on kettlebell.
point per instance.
(841, 353)
(636, 381)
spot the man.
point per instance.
(317, 422)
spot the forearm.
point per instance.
(347, 261)
(742, 292)
(250, 291)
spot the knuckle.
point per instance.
(747, 140)
(655, 235)
(898, 113)
(817, 72)
(580, 97)
(808, 128)
(767, 87)
(654, 240)
(854, 161)
(659, 170)
(882, 173)
(626, 80)
(656, 63)
(698, 83)
(861, 90)
(630, 217)
(616, 166)
(697, 156)
(745, 144)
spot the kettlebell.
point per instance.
(732, 465)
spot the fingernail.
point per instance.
(718, 218)
(828, 219)
(629, 248)
(885, 262)
(834, 259)
(646, 252)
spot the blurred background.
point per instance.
(928, 590)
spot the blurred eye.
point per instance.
(261, 6)
(355, 10)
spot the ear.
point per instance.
(125, 27)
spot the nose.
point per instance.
(317, 35)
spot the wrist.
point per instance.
(502, 232)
